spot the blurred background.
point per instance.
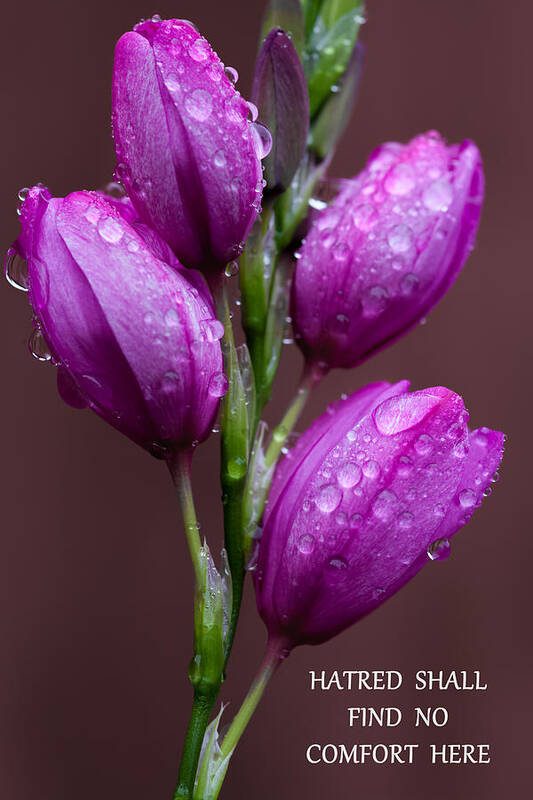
(95, 584)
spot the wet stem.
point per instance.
(179, 464)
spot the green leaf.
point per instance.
(330, 47)
(334, 115)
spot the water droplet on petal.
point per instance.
(262, 140)
(38, 347)
(219, 159)
(199, 104)
(218, 385)
(405, 521)
(384, 505)
(403, 412)
(231, 74)
(349, 475)
(371, 469)
(306, 544)
(212, 329)
(467, 498)
(200, 49)
(424, 445)
(110, 230)
(405, 467)
(328, 498)
(408, 284)
(400, 239)
(400, 180)
(171, 318)
(438, 195)
(338, 563)
(231, 269)
(16, 270)
(439, 550)
(374, 301)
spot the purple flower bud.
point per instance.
(188, 152)
(371, 492)
(134, 339)
(387, 249)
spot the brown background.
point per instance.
(94, 576)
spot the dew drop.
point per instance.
(424, 445)
(231, 74)
(110, 230)
(200, 49)
(374, 301)
(467, 498)
(403, 412)
(400, 239)
(172, 82)
(349, 475)
(212, 330)
(328, 498)
(364, 217)
(439, 550)
(16, 270)
(219, 159)
(400, 180)
(171, 318)
(408, 284)
(405, 521)
(405, 467)
(438, 195)
(231, 269)
(338, 563)
(38, 347)
(356, 520)
(371, 469)
(199, 104)
(218, 385)
(306, 544)
(384, 505)
(261, 140)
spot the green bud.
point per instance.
(206, 667)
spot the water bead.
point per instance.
(400, 239)
(218, 385)
(200, 49)
(371, 469)
(384, 505)
(438, 195)
(328, 499)
(338, 563)
(16, 270)
(400, 180)
(199, 104)
(349, 475)
(231, 74)
(306, 544)
(110, 230)
(467, 498)
(38, 347)
(374, 301)
(439, 550)
(212, 329)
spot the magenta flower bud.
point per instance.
(188, 149)
(387, 249)
(371, 492)
(134, 339)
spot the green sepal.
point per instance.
(205, 670)
(329, 47)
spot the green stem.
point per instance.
(179, 464)
(310, 377)
(198, 722)
(276, 651)
(233, 483)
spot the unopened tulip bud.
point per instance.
(133, 338)
(371, 492)
(387, 249)
(188, 148)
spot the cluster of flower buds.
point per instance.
(121, 285)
